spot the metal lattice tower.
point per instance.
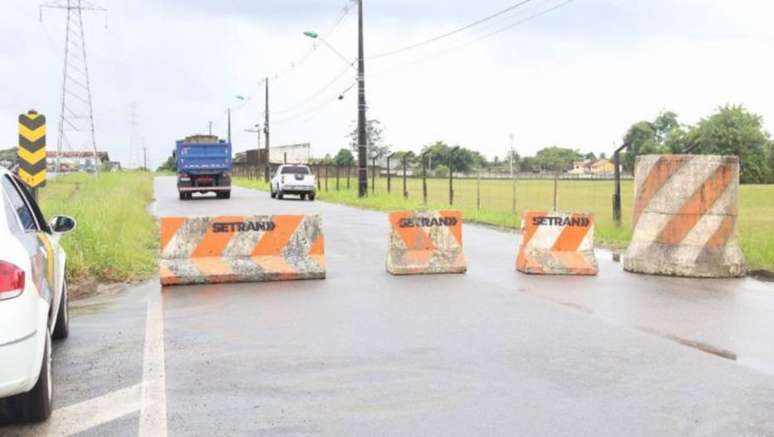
(76, 119)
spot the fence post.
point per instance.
(424, 178)
(349, 168)
(319, 178)
(617, 194)
(405, 189)
(478, 192)
(556, 191)
(451, 175)
(337, 177)
(326, 178)
(389, 176)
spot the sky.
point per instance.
(577, 76)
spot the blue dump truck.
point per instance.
(203, 166)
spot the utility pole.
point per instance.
(210, 129)
(76, 119)
(229, 126)
(266, 132)
(362, 137)
(132, 134)
(258, 132)
(144, 155)
(513, 178)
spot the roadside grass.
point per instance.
(494, 205)
(116, 238)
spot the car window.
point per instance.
(37, 213)
(10, 217)
(295, 170)
(25, 215)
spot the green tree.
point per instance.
(464, 159)
(169, 165)
(663, 135)
(441, 171)
(556, 158)
(375, 139)
(733, 130)
(344, 158)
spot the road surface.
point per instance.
(491, 352)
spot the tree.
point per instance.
(441, 171)
(663, 135)
(464, 159)
(590, 156)
(375, 138)
(556, 158)
(344, 158)
(770, 152)
(735, 131)
(169, 165)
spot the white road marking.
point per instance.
(153, 413)
(85, 415)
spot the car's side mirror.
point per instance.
(61, 224)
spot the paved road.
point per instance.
(492, 352)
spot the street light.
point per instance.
(316, 36)
(362, 135)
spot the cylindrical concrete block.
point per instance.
(685, 217)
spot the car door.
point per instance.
(36, 237)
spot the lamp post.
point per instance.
(362, 136)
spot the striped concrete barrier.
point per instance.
(205, 250)
(425, 243)
(557, 244)
(685, 216)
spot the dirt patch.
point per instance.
(84, 289)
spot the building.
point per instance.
(291, 154)
(70, 161)
(595, 167)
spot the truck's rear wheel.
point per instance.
(227, 194)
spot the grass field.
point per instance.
(495, 202)
(116, 238)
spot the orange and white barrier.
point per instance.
(685, 216)
(557, 244)
(425, 243)
(204, 250)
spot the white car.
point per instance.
(33, 301)
(294, 180)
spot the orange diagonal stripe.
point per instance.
(456, 230)
(318, 247)
(722, 234)
(272, 243)
(662, 171)
(169, 227)
(699, 203)
(413, 238)
(529, 226)
(214, 243)
(572, 236)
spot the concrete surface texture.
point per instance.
(493, 352)
(253, 248)
(557, 244)
(425, 242)
(685, 217)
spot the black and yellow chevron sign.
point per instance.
(32, 149)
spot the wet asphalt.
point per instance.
(491, 352)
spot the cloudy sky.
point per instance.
(577, 76)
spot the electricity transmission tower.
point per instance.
(76, 130)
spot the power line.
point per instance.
(448, 34)
(479, 39)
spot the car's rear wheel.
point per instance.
(280, 196)
(302, 196)
(182, 195)
(311, 197)
(62, 328)
(35, 405)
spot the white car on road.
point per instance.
(294, 180)
(33, 301)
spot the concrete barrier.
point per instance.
(557, 244)
(685, 215)
(425, 243)
(205, 250)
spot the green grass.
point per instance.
(116, 239)
(756, 217)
